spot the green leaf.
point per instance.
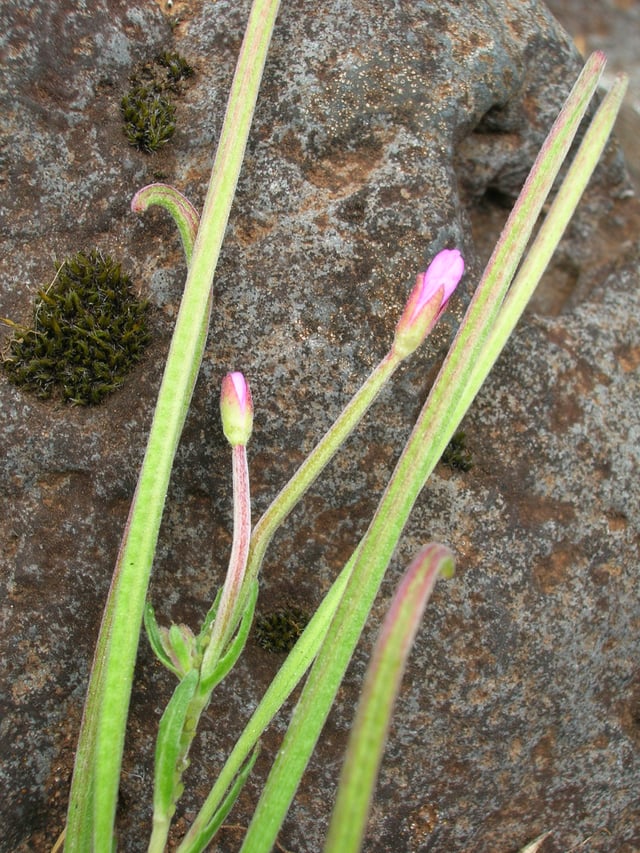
(286, 679)
(205, 836)
(183, 212)
(380, 691)
(101, 742)
(167, 774)
(234, 650)
(205, 631)
(182, 643)
(434, 428)
(154, 636)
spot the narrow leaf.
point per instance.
(168, 747)
(200, 843)
(380, 691)
(236, 646)
(94, 790)
(433, 430)
(155, 639)
(181, 648)
(536, 844)
(183, 212)
(205, 632)
(286, 679)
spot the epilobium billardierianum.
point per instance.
(236, 409)
(428, 300)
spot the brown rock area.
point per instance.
(383, 132)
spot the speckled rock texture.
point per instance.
(613, 27)
(384, 131)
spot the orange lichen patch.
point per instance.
(343, 172)
(468, 554)
(616, 521)
(605, 572)
(557, 568)
(628, 357)
(36, 674)
(582, 375)
(422, 821)
(544, 753)
(578, 378)
(533, 511)
(629, 709)
(291, 147)
(248, 229)
(515, 749)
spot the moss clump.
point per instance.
(88, 330)
(147, 109)
(177, 66)
(456, 455)
(279, 631)
(149, 118)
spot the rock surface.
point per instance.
(383, 132)
(614, 29)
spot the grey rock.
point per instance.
(383, 132)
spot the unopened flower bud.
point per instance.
(428, 300)
(180, 646)
(236, 409)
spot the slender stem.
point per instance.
(547, 238)
(300, 658)
(379, 693)
(168, 773)
(319, 457)
(183, 212)
(279, 690)
(102, 735)
(227, 615)
(428, 440)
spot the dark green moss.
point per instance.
(177, 66)
(149, 118)
(456, 454)
(147, 109)
(279, 631)
(88, 330)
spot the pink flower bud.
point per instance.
(428, 300)
(236, 409)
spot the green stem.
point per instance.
(177, 731)
(379, 693)
(300, 658)
(279, 690)
(319, 457)
(183, 212)
(272, 518)
(296, 664)
(97, 771)
(547, 238)
(228, 610)
(434, 428)
(307, 646)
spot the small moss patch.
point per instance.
(149, 118)
(176, 65)
(279, 631)
(456, 455)
(147, 108)
(89, 329)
